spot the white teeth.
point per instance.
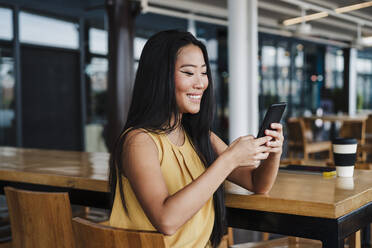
(194, 96)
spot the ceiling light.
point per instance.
(306, 18)
(353, 7)
(303, 28)
(367, 41)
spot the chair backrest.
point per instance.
(93, 235)
(297, 132)
(369, 124)
(39, 219)
(355, 130)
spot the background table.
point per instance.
(83, 175)
(342, 118)
(309, 206)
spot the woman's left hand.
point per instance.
(276, 143)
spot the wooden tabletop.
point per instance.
(350, 118)
(300, 194)
(309, 195)
(80, 170)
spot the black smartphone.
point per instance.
(273, 115)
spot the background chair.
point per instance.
(93, 235)
(300, 140)
(367, 147)
(5, 233)
(369, 129)
(39, 219)
(357, 130)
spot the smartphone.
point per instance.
(273, 115)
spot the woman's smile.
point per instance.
(190, 78)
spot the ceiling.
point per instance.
(271, 14)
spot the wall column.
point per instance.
(120, 78)
(352, 81)
(243, 69)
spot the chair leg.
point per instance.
(354, 240)
(230, 236)
(330, 152)
(265, 236)
(290, 154)
(306, 155)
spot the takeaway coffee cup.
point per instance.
(344, 155)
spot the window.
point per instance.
(97, 79)
(98, 41)
(6, 24)
(7, 98)
(40, 30)
(364, 80)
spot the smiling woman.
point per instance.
(167, 168)
(190, 79)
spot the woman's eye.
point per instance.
(188, 73)
(204, 73)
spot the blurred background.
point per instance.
(55, 66)
(54, 63)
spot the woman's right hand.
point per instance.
(248, 151)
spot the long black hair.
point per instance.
(154, 105)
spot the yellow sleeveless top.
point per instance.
(180, 165)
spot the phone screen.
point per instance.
(273, 115)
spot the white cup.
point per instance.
(344, 155)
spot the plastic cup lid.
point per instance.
(344, 141)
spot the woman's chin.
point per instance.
(193, 111)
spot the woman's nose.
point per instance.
(199, 84)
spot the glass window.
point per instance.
(268, 63)
(41, 30)
(96, 72)
(298, 77)
(7, 98)
(334, 65)
(364, 80)
(98, 41)
(283, 64)
(364, 66)
(212, 48)
(139, 43)
(97, 80)
(6, 24)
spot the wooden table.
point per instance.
(79, 173)
(342, 118)
(309, 206)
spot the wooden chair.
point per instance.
(369, 129)
(94, 235)
(367, 147)
(300, 140)
(5, 233)
(357, 130)
(39, 219)
(227, 239)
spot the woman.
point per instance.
(170, 164)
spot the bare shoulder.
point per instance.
(138, 138)
(139, 147)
